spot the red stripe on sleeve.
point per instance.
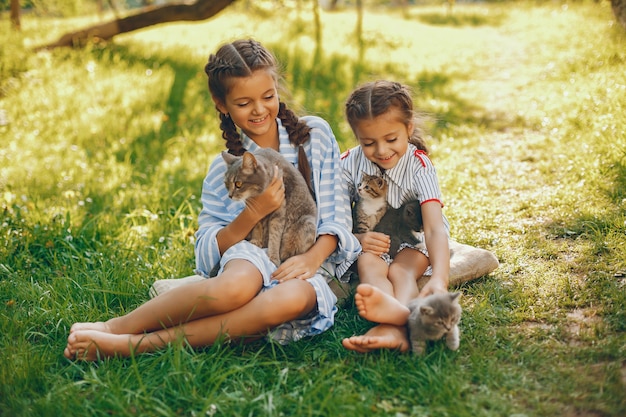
(418, 154)
(432, 199)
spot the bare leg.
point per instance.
(236, 286)
(404, 271)
(288, 301)
(373, 270)
(383, 336)
(374, 305)
(385, 301)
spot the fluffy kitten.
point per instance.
(432, 318)
(372, 204)
(403, 225)
(292, 228)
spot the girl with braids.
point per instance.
(391, 143)
(250, 297)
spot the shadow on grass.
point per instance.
(320, 83)
(461, 18)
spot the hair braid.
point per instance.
(230, 134)
(299, 133)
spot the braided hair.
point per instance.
(375, 98)
(240, 59)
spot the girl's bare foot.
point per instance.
(379, 307)
(92, 345)
(96, 325)
(383, 336)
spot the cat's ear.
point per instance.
(455, 296)
(249, 161)
(381, 182)
(426, 310)
(228, 158)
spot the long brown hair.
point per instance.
(240, 59)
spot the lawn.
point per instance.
(102, 155)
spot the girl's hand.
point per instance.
(433, 286)
(374, 242)
(299, 266)
(269, 200)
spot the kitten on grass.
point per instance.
(434, 317)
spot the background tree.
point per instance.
(15, 14)
(200, 10)
(619, 10)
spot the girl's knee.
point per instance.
(368, 259)
(291, 299)
(399, 273)
(235, 287)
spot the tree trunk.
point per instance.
(619, 10)
(200, 10)
(15, 15)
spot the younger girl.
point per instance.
(391, 143)
(249, 297)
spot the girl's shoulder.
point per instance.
(316, 122)
(352, 154)
(321, 133)
(218, 165)
(419, 157)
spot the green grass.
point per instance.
(103, 151)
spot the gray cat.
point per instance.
(432, 318)
(403, 225)
(292, 228)
(372, 204)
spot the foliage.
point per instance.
(103, 152)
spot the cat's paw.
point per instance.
(418, 347)
(453, 341)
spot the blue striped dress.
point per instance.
(334, 218)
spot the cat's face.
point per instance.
(244, 177)
(441, 311)
(412, 215)
(372, 186)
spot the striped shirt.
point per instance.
(333, 202)
(413, 178)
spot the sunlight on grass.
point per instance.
(103, 151)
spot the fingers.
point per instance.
(376, 243)
(292, 270)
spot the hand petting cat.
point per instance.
(304, 266)
(269, 200)
(374, 242)
(434, 286)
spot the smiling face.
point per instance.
(385, 138)
(252, 103)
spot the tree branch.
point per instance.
(200, 10)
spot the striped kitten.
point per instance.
(372, 204)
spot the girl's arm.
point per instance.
(335, 242)
(438, 250)
(224, 222)
(306, 265)
(256, 209)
